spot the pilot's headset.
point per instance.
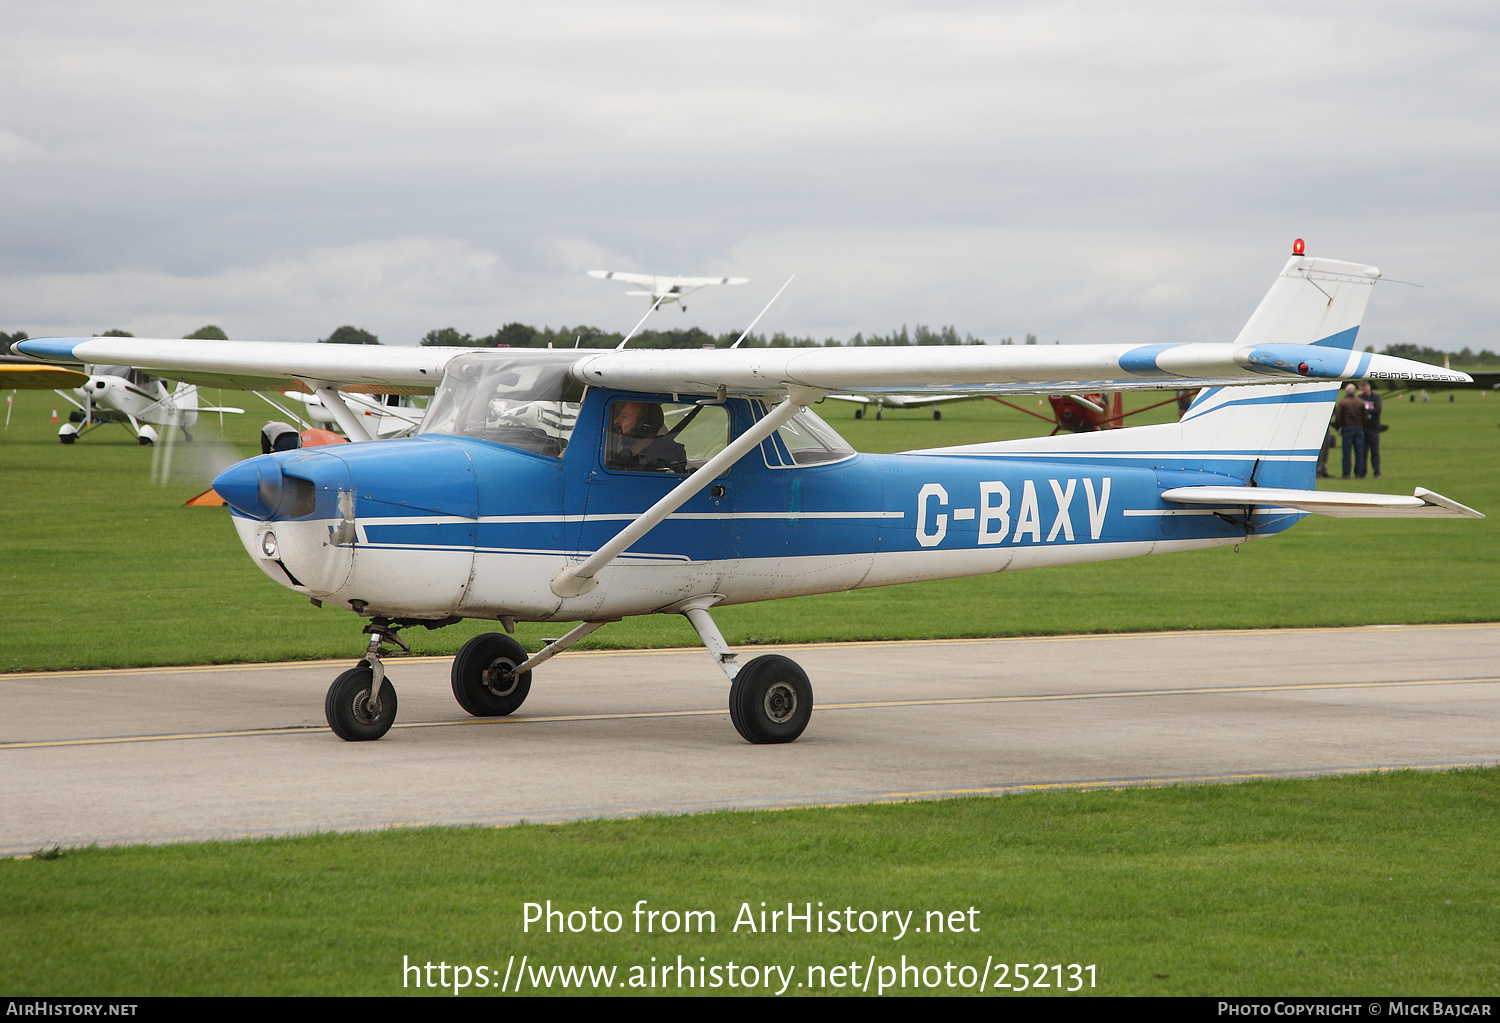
(651, 421)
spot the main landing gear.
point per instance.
(485, 680)
(770, 698)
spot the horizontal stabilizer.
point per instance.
(1424, 504)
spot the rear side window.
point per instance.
(803, 440)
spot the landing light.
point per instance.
(268, 544)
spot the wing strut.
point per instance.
(658, 302)
(761, 313)
(342, 413)
(576, 580)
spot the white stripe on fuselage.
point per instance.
(437, 520)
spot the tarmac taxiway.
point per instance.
(171, 754)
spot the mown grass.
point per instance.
(101, 568)
(1361, 885)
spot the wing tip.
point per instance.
(1437, 500)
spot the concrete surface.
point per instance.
(153, 755)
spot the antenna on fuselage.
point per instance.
(762, 313)
(649, 312)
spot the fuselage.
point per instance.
(442, 525)
(118, 392)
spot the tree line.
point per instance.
(522, 335)
(1436, 357)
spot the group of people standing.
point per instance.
(1357, 419)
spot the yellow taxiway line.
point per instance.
(864, 644)
(822, 708)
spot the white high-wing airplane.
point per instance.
(900, 401)
(127, 395)
(569, 486)
(384, 416)
(665, 290)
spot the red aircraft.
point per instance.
(1085, 413)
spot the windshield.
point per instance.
(524, 400)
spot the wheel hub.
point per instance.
(781, 702)
(364, 713)
(500, 677)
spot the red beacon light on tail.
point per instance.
(1298, 248)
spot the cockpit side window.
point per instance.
(652, 436)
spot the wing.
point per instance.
(997, 369)
(658, 284)
(703, 282)
(968, 369)
(261, 365)
(26, 375)
(645, 280)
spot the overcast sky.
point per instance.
(1089, 172)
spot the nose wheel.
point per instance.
(361, 703)
(352, 714)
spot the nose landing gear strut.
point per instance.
(361, 703)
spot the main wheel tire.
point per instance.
(348, 706)
(771, 700)
(482, 681)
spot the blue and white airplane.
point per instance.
(583, 487)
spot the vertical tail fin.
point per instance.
(1281, 426)
(184, 404)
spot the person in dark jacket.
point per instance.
(1371, 398)
(1349, 417)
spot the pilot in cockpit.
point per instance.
(634, 441)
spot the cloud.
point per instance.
(1070, 168)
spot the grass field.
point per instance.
(102, 568)
(1380, 884)
(1366, 885)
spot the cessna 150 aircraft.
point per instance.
(588, 486)
(665, 290)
